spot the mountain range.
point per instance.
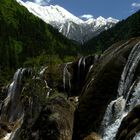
(123, 30)
(69, 25)
(60, 91)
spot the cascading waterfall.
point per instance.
(129, 70)
(80, 62)
(12, 113)
(120, 107)
(96, 58)
(41, 75)
(13, 95)
(66, 76)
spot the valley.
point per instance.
(57, 84)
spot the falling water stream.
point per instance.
(66, 76)
(12, 111)
(124, 103)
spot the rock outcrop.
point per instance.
(130, 125)
(100, 88)
(55, 121)
(93, 136)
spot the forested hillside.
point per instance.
(124, 30)
(26, 38)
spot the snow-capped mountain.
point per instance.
(69, 25)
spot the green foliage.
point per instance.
(25, 39)
(35, 89)
(69, 59)
(123, 30)
(42, 60)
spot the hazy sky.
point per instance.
(119, 9)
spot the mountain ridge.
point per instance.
(124, 30)
(69, 25)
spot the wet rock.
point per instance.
(57, 116)
(130, 125)
(100, 88)
(93, 136)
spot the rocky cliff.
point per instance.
(92, 98)
(101, 88)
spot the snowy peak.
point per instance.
(66, 15)
(112, 20)
(69, 25)
(90, 20)
(50, 13)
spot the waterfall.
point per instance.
(129, 70)
(137, 137)
(80, 62)
(85, 64)
(66, 76)
(10, 103)
(12, 135)
(128, 97)
(12, 112)
(42, 71)
(41, 76)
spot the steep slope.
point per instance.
(24, 36)
(121, 31)
(69, 25)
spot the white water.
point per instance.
(41, 76)
(12, 135)
(42, 71)
(129, 70)
(79, 67)
(66, 77)
(135, 97)
(120, 107)
(14, 90)
(12, 108)
(137, 137)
